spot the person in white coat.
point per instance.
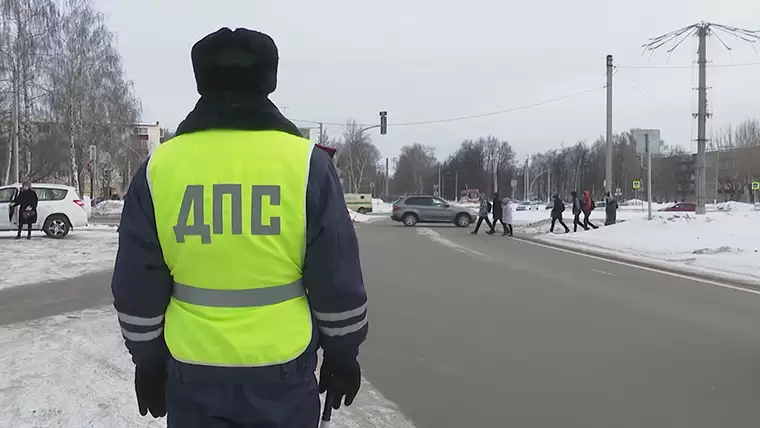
(506, 216)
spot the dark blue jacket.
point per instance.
(332, 276)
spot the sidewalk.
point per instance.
(719, 245)
(73, 370)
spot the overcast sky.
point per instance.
(427, 60)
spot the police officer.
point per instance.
(237, 259)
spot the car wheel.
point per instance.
(410, 220)
(57, 226)
(463, 220)
(362, 210)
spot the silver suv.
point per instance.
(429, 209)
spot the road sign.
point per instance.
(435, 193)
(618, 192)
(93, 152)
(647, 140)
(513, 183)
(435, 187)
(756, 185)
(637, 184)
(371, 184)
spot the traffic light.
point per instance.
(383, 122)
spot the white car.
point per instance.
(59, 209)
(528, 206)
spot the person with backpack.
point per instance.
(577, 210)
(588, 206)
(557, 211)
(483, 210)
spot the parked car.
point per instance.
(528, 206)
(682, 207)
(58, 211)
(430, 209)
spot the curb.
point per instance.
(661, 266)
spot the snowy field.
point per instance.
(72, 371)
(108, 208)
(42, 259)
(722, 242)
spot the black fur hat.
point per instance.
(241, 61)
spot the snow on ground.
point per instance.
(363, 218)
(43, 259)
(108, 208)
(381, 207)
(72, 370)
(727, 243)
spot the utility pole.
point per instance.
(387, 182)
(549, 185)
(608, 168)
(439, 190)
(527, 178)
(495, 175)
(701, 30)
(321, 128)
(456, 186)
(16, 119)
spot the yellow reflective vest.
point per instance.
(230, 209)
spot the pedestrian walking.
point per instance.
(484, 208)
(556, 213)
(497, 210)
(507, 208)
(577, 210)
(588, 207)
(226, 281)
(26, 201)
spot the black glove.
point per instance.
(150, 385)
(340, 380)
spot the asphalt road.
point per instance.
(488, 331)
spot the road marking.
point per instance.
(633, 265)
(603, 272)
(436, 237)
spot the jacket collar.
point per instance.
(233, 111)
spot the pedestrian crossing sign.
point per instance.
(756, 185)
(637, 184)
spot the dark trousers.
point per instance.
(587, 222)
(507, 227)
(480, 220)
(287, 401)
(577, 222)
(561, 222)
(21, 227)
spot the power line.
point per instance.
(745, 64)
(474, 116)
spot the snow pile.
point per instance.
(44, 259)
(720, 242)
(106, 208)
(362, 218)
(380, 206)
(72, 370)
(734, 206)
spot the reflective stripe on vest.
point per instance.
(230, 211)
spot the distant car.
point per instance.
(414, 209)
(359, 202)
(58, 211)
(681, 207)
(600, 205)
(528, 206)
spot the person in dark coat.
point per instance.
(26, 200)
(557, 211)
(610, 206)
(498, 214)
(577, 212)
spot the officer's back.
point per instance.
(228, 251)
